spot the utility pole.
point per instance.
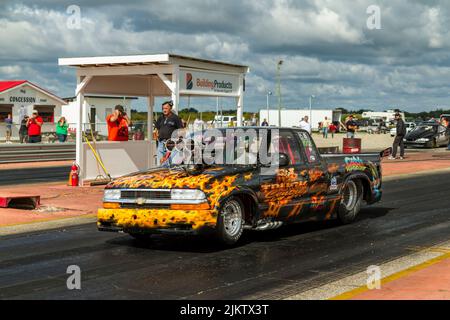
(269, 93)
(310, 109)
(280, 63)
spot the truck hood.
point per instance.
(162, 178)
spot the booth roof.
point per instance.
(167, 58)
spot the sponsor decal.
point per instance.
(354, 164)
(333, 184)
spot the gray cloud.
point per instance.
(327, 48)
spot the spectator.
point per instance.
(23, 130)
(398, 141)
(332, 129)
(8, 122)
(304, 124)
(351, 127)
(166, 124)
(264, 123)
(118, 123)
(325, 127)
(61, 129)
(448, 134)
(34, 125)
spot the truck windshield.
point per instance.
(244, 147)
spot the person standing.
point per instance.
(305, 125)
(34, 125)
(264, 123)
(325, 127)
(332, 129)
(61, 129)
(398, 141)
(351, 127)
(23, 130)
(448, 134)
(166, 124)
(118, 123)
(8, 122)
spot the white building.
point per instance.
(95, 111)
(388, 115)
(292, 117)
(20, 98)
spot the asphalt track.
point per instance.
(272, 265)
(33, 175)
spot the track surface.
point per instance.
(33, 175)
(267, 265)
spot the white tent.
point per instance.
(146, 76)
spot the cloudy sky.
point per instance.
(326, 45)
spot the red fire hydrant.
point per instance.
(74, 175)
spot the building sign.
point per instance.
(208, 83)
(22, 99)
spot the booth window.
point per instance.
(5, 109)
(47, 113)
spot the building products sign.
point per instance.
(208, 83)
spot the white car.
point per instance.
(409, 127)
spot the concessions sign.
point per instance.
(208, 83)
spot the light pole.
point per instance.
(310, 108)
(280, 63)
(269, 93)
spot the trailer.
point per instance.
(291, 117)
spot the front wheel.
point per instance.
(230, 223)
(352, 194)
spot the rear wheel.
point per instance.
(350, 205)
(230, 223)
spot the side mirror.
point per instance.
(283, 160)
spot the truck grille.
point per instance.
(146, 194)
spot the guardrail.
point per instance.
(16, 153)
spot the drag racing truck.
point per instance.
(299, 184)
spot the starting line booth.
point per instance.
(161, 75)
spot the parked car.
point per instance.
(409, 126)
(427, 134)
(227, 198)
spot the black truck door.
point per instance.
(285, 189)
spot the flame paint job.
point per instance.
(290, 194)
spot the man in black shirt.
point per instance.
(166, 124)
(398, 141)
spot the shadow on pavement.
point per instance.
(208, 244)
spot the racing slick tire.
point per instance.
(352, 197)
(230, 223)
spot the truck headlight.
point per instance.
(187, 194)
(111, 195)
(423, 140)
